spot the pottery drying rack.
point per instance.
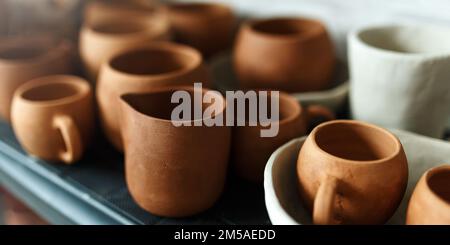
(93, 191)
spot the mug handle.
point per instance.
(71, 137)
(317, 111)
(324, 201)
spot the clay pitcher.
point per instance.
(207, 27)
(351, 172)
(430, 201)
(139, 70)
(251, 151)
(102, 40)
(173, 171)
(289, 54)
(25, 58)
(53, 117)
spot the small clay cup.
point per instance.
(430, 201)
(139, 70)
(351, 172)
(101, 11)
(25, 58)
(172, 171)
(53, 117)
(205, 26)
(250, 151)
(102, 40)
(289, 54)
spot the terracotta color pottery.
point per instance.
(400, 77)
(139, 70)
(22, 59)
(102, 40)
(101, 11)
(430, 201)
(53, 117)
(205, 26)
(172, 171)
(290, 54)
(250, 151)
(351, 172)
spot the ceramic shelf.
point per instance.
(280, 178)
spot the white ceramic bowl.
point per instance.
(280, 177)
(334, 98)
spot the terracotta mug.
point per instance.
(205, 26)
(101, 11)
(351, 172)
(430, 201)
(139, 70)
(25, 58)
(399, 77)
(250, 151)
(172, 171)
(289, 54)
(53, 117)
(103, 40)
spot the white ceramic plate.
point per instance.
(334, 98)
(280, 179)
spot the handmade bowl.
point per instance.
(280, 179)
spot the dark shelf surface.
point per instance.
(93, 190)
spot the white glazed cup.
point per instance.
(400, 77)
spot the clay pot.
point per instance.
(290, 54)
(172, 171)
(101, 11)
(351, 172)
(103, 40)
(430, 201)
(251, 151)
(139, 70)
(408, 67)
(53, 117)
(205, 26)
(25, 58)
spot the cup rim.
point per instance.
(144, 24)
(81, 86)
(395, 153)
(320, 28)
(355, 36)
(179, 49)
(213, 10)
(172, 89)
(428, 175)
(38, 42)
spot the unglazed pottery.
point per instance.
(100, 41)
(53, 117)
(335, 98)
(172, 171)
(139, 70)
(399, 77)
(25, 58)
(283, 202)
(100, 11)
(350, 172)
(430, 201)
(205, 26)
(251, 151)
(290, 54)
